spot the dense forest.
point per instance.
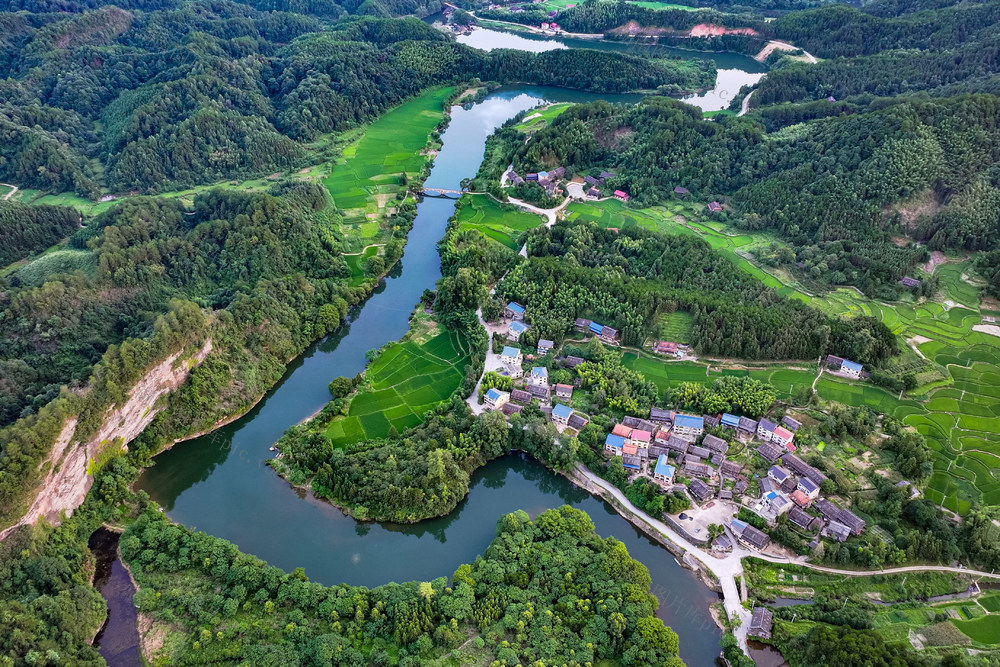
(830, 186)
(175, 94)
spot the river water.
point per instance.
(735, 70)
(118, 639)
(219, 483)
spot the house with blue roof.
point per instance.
(688, 427)
(511, 356)
(596, 328)
(561, 413)
(808, 487)
(539, 376)
(515, 330)
(495, 399)
(663, 472)
(850, 368)
(778, 474)
(514, 310)
(614, 444)
(729, 421)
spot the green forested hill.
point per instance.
(828, 185)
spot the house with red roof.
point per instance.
(622, 195)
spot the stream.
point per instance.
(219, 483)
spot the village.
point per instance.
(740, 476)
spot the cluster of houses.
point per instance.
(670, 349)
(851, 369)
(535, 387)
(594, 184)
(547, 179)
(605, 333)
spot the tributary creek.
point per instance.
(218, 483)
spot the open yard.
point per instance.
(504, 223)
(376, 168)
(406, 380)
(957, 405)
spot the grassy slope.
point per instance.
(503, 223)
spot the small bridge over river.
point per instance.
(442, 193)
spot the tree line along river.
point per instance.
(219, 483)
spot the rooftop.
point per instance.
(510, 351)
(689, 421)
(493, 394)
(663, 468)
(539, 372)
(851, 366)
(615, 441)
(518, 327)
(561, 411)
(516, 307)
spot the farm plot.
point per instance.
(402, 384)
(375, 169)
(504, 223)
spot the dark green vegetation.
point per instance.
(26, 230)
(185, 93)
(833, 195)
(624, 279)
(548, 589)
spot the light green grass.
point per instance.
(406, 380)
(984, 630)
(539, 118)
(504, 223)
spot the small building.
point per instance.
(662, 435)
(520, 396)
(558, 172)
(802, 468)
(767, 485)
(730, 468)
(605, 175)
(700, 452)
(661, 416)
(851, 369)
(594, 192)
(578, 422)
(714, 207)
(622, 430)
(699, 490)
(631, 462)
(777, 502)
(572, 362)
(802, 519)
(545, 346)
(791, 424)
(697, 470)
(630, 448)
(718, 459)
(783, 437)
(711, 420)
(539, 376)
(910, 282)
(511, 408)
(722, 543)
(729, 421)
(747, 428)
(855, 523)
(831, 98)
(539, 391)
(677, 445)
(609, 335)
(765, 429)
(564, 391)
(833, 361)
(749, 535)
(742, 484)
(561, 414)
(770, 452)
(582, 324)
(837, 531)
(614, 444)
(515, 330)
(665, 347)
(688, 427)
(595, 328)
(715, 443)
(641, 439)
(761, 623)
(799, 498)
(808, 487)
(514, 310)
(725, 494)
(621, 195)
(531, 177)
(494, 399)
(778, 474)
(663, 472)
(682, 193)
(511, 356)
(591, 181)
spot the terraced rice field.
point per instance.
(370, 173)
(405, 381)
(504, 223)
(958, 406)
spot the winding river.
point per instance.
(735, 70)
(219, 483)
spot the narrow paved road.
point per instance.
(13, 190)
(745, 107)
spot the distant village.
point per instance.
(723, 463)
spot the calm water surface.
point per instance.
(735, 70)
(219, 483)
(118, 640)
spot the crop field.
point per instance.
(957, 406)
(371, 171)
(983, 630)
(675, 326)
(406, 380)
(356, 263)
(504, 223)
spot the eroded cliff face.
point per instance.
(67, 482)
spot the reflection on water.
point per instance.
(118, 640)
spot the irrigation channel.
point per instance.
(735, 70)
(218, 483)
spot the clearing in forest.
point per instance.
(504, 223)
